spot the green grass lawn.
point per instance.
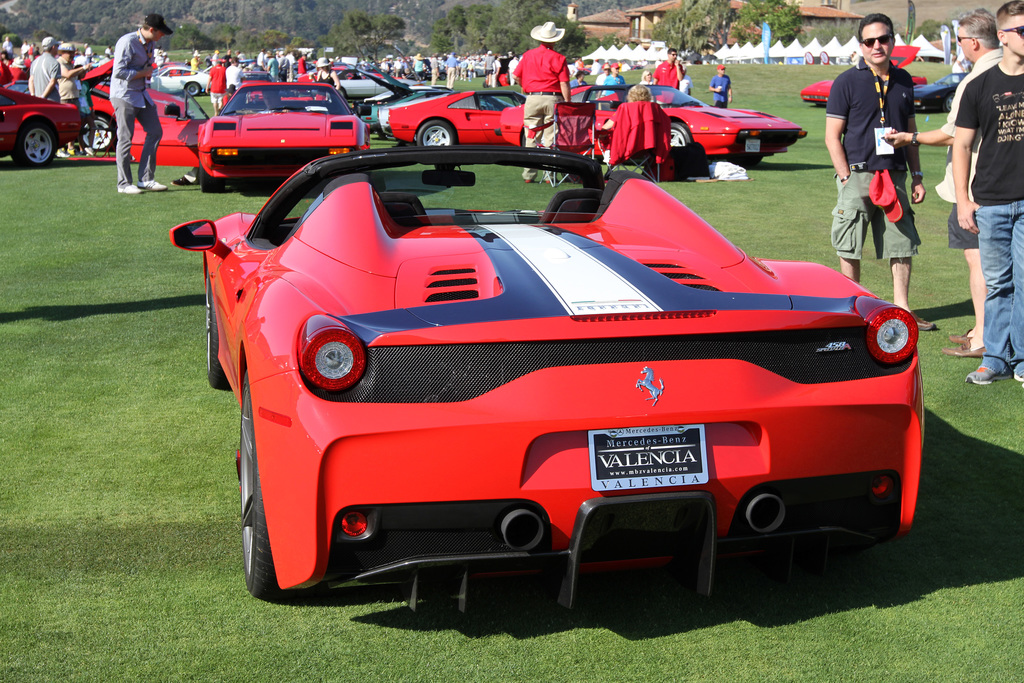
(119, 527)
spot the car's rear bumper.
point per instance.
(816, 447)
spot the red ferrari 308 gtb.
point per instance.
(434, 387)
(270, 130)
(33, 129)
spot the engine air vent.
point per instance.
(452, 284)
(677, 272)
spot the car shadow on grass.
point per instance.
(74, 312)
(968, 504)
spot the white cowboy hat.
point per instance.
(547, 33)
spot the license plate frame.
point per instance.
(637, 458)
(752, 145)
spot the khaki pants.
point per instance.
(539, 110)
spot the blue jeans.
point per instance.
(1001, 241)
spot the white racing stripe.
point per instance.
(584, 285)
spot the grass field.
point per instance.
(119, 532)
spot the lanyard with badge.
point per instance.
(882, 147)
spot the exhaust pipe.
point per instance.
(522, 529)
(765, 513)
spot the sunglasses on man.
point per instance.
(1019, 30)
(882, 40)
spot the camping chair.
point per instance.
(640, 139)
(575, 131)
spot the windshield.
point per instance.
(662, 94)
(280, 98)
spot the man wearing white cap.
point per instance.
(45, 71)
(544, 77)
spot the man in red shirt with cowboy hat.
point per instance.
(544, 77)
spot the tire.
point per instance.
(35, 146)
(680, 135)
(436, 134)
(207, 183)
(101, 136)
(947, 104)
(257, 561)
(214, 371)
(193, 88)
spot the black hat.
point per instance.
(157, 21)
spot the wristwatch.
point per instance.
(917, 174)
(913, 140)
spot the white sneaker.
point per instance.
(152, 186)
(129, 189)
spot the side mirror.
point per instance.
(194, 236)
(172, 110)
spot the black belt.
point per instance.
(862, 166)
(543, 93)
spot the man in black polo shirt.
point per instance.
(866, 102)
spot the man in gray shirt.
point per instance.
(45, 71)
(133, 65)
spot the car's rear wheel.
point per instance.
(214, 371)
(947, 104)
(436, 134)
(207, 183)
(35, 146)
(258, 563)
(680, 135)
(193, 88)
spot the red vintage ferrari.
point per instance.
(437, 382)
(33, 129)
(817, 93)
(270, 130)
(741, 135)
(467, 118)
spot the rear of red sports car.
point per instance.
(437, 394)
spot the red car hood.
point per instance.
(260, 129)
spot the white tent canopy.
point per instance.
(599, 53)
(928, 51)
(835, 49)
(794, 49)
(777, 51)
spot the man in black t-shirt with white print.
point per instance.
(992, 105)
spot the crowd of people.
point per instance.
(871, 136)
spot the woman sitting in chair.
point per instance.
(641, 131)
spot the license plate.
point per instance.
(753, 145)
(633, 458)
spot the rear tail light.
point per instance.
(330, 356)
(882, 487)
(891, 334)
(354, 524)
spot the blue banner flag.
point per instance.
(766, 40)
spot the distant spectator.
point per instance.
(669, 72)
(273, 67)
(233, 76)
(452, 65)
(218, 85)
(685, 83)
(325, 74)
(721, 85)
(646, 78)
(70, 91)
(5, 68)
(45, 71)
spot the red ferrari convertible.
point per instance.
(33, 129)
(467, 118)
(270, 130)
(434, 387)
